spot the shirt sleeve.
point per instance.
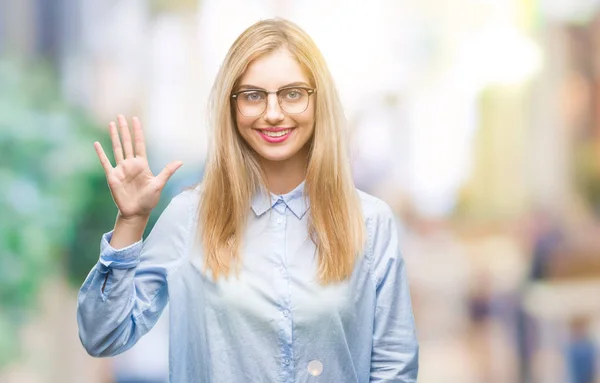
(395, 354)
(126, 291)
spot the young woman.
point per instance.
(276, 268)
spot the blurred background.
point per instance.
(478, 121)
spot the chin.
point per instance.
(276, 155)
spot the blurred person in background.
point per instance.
(276, 268)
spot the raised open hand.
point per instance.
(135, 190)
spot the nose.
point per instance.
(274, 114)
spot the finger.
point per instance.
(116, 142)
(138, 136)
(125, 136)
(104, 161)
(167, 172)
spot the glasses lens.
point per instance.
(252, 103)
(293, 100)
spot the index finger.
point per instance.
(103, 158)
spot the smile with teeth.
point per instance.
(280, 133)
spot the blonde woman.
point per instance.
(276, 268)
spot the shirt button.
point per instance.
(286, 361)
(286, 313)
(315, 368)
(279, 221)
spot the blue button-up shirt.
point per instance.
(272, 323)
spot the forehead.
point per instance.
(273, 71)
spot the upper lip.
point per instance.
(275, 129)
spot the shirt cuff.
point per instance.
(125, 258)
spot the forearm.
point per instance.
(113, 299)
(105, 320)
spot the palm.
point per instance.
(131, 186)
(135, 190)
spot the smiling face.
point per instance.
(275, 134)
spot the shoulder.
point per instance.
(375, 210)
(189, 194)
(184, 203)
(381, 228)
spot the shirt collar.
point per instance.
(295, 200)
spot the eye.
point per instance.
(253, 96)
(293, 94)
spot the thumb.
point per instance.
(168, 171)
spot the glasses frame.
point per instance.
(310, 92)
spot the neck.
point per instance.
(284, 176)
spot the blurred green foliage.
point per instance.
(48, 180)
(54, 201)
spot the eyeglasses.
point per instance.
(253, 102)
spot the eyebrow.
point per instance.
(254, 87)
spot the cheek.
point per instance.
(243, 123)
(308, 120)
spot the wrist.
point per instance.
(128, 230)
(135, 220)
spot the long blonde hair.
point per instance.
(233, 174)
